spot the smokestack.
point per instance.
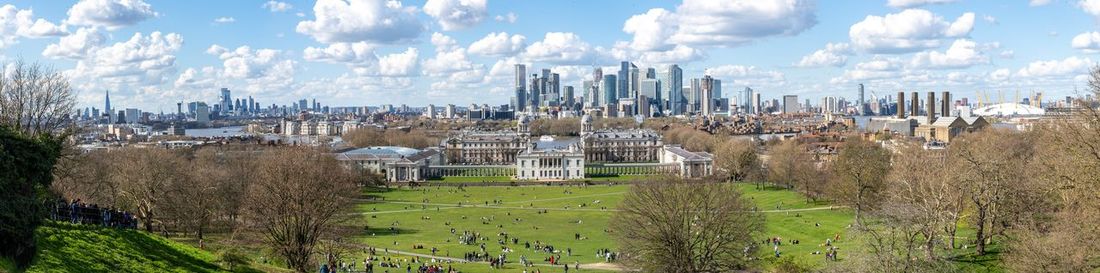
(914, 106)
(901, 104)
(946, 111)
(931, 107)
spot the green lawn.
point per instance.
(64, 247)
(425, 216)
(476, 179)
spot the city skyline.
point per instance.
(152, 55)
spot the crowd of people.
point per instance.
(78, 212)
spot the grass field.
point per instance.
(555, 215)
(64, 247)
(505, 179)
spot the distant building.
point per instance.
(790, 104)
(558, 163)
(397, 164)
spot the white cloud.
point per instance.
(1092, 7)
(456, 14)
(739, 75)
(276, 6)
(1088, 41)
(832, 55)
(16, 23)
(651, 30)
(1000, 75)
(723, 23)
(197, 79)
(963, 53)
(907, 31)
(355, 54)
(76, 45)
(449, 58)
(111, 14)
(141, 61)
(562, 48)
(1007, 54)
(224, 20)
(499, 44)
(1036, 3)
(1053, 68)
(361, 21)
(245, 63)
(511, 17)
(399, 64)
(443, 42)
(914, 3)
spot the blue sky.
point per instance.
(151, 54)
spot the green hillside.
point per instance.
(79, 248)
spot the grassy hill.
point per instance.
(77, 248)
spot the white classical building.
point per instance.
(551, 163)
(397, 164)
(692, 164)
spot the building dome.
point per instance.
(1009, 109)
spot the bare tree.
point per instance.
(859, 174)
(193, 201)
(786, 162)
(295, 204)
(988, 165)
(670, 225)
(35, 99)
(143, 176)
(1067, 162)
(919, 183)
(738, 159)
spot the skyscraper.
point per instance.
(673, 82)
(860, 104)
(567, 96)
(107, 107)
(749, 107)
(790, 104)
(521, 87)
(623, 77)
(695, 95)
(226, 100)
(651, 90)
(608, 90)
(706, 95)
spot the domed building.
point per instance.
(1009, 109)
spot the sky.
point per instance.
(152, 54)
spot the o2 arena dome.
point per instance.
(1009, 109)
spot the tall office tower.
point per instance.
(226, 100)
(706, 95)
(623, 78)
(914, 106)
(608, 90)
(303, 105)
(179, 108)
(901, 104)
(554, 92)
(717, 89)
(748, 107)
(859, 105)
(650, 73)
(790, 104)
(252, 105)
(806, 107)
(589, 94)
(694, 95)
(633, 82)
(533, 92)
(931, 107)
(107, 107)
(314, 106)
(567, 96)
(756, 107)
(651, 89)
(237, 105)
(449, 111)
(520, 87)
(644, 109)
(946, 106)
(673, 86)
